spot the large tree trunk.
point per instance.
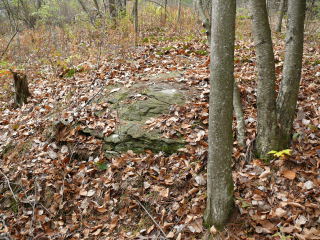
(237, 105)
(266, 99)
(281, 14)
(219, 182)
(288, 94)
(21, 88)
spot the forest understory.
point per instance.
(57, 183)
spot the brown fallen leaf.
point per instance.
(196, 226)
(213, 230)
(170, 235)
(102, 209)
(280, 212)
(289, 174)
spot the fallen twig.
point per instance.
(153, 220)
(11, 39)
(9, 185)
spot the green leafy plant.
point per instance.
(101, 165)
(280, 154)
(4, 64)
(282, 236)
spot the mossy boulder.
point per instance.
(132, 135)
(142, 102)
(135, 105)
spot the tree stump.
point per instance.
(21, 88)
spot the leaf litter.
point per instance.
(62, 185)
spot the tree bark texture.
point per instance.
(266, 99)
(206, 20)
(21, 88)
(121, 7)
(96, 4)
(112, 9)
(281, 14)
(289, 88)
(85, 9)
(237, 106)
(219, 182)
(179, 11)
(165, 11)
(136, 21)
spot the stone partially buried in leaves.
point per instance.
(136, 106)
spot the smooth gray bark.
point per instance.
(136, 20)
(281, 14)
(289, 88)
(206, 20)
(237, 106)
(219, 182)
(179, 11)
(165, 11)
(266, 99)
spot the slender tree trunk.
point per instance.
(219, 182)
(121, 6)
(179, 11)
(96, 4)
(10, 13)
(29, 19)
(281, 14)
(165, 11)
(136, 21)
(105, 6)
(266, 99)
(268, 10)
(84, 8)
(206, 22)
(237, 106)
(112, 9)
(289, 88)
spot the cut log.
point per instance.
(21, 88)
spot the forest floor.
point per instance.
(56, 183)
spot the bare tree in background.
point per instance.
(179, 11)
(165, 11)
(136, 20)
(112, 9)
(204, 7)
(86, 10)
